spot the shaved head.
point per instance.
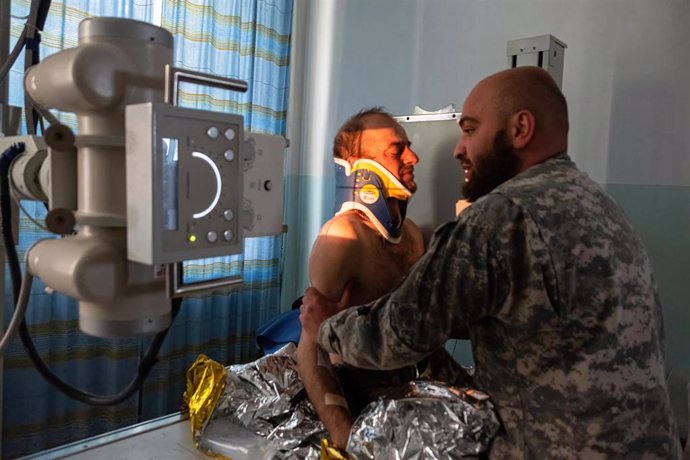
(510, 121)
(532, 89)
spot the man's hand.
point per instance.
(460, 206)
(316, 308)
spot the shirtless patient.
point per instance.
(354, 250)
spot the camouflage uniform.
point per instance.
(557, 293)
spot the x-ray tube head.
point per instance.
(153, 184)
(117, 62)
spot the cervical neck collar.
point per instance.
(365, 186)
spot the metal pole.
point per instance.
(4, 52)
(5, 8)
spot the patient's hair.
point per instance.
(347, 141)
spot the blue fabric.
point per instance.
(279, 331)
(364, 190)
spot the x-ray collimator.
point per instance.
(185, 173)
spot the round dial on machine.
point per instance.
(207, 186)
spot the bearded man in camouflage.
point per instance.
(548, 277)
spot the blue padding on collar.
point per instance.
(362, 190)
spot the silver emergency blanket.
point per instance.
(434, 422)
(263, 413)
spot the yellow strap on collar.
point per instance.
(393, 188)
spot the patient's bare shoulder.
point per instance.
(337, 253)
(348, 224)
(349, 249)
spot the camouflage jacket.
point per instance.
(557, 293)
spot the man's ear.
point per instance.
(521, 126)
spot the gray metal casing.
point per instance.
(438, 174)
(150, 240)
(263, 185)
(545, 51)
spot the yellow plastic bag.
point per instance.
(205, 383)
(329, 452)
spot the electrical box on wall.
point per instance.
(545, 51)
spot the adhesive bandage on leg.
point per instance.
(332, 399)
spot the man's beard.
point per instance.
(491, 169)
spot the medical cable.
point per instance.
(5, 70)
(147, 362)
(29, 38)
(27, 214)
(19, 312)
(34, 26)
(22, 300)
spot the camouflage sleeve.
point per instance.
(453, 284)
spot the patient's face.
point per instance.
(385, 141)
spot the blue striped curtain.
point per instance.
(249, 40)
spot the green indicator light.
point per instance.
(192, 238)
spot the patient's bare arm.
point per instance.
(349, 252)
(324, 391)
(332, 265)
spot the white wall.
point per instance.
(626, 76)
